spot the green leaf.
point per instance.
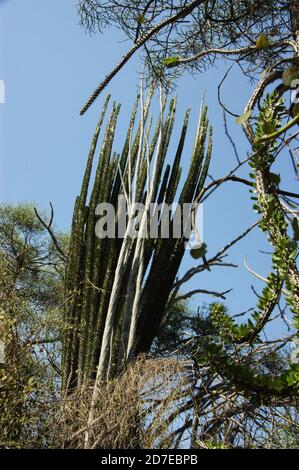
(243, 118)
(140, 19)
(170, 60)
(295, 226)
(198, 251)
(295, 110)
(268, 127)
(262, 42)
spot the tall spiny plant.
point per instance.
(117, 288)
(283, 279)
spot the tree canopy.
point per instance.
(179, 35)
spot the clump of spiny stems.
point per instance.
(111, 314)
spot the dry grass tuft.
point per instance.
(134, 410)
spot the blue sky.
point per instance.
(50, 66)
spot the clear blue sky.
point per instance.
(50, 66)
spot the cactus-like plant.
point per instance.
(117, 288)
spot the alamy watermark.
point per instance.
(152, 220)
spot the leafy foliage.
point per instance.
(30, 326)
(284, 275)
